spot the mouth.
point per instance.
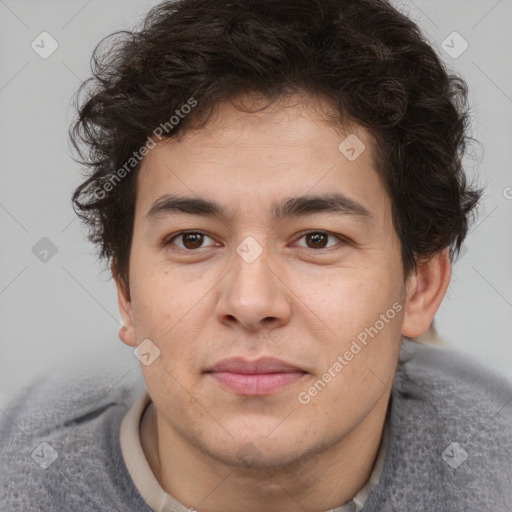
(255, 378)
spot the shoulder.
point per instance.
(456, 384)
(451, 433)
(59, 441)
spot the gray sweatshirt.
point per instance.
(450, 444)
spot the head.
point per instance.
(274, 178)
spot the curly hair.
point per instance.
(370, 62)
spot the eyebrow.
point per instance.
(301, 206)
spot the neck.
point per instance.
(321, 481)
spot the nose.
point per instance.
(254, 294)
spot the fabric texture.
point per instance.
(450, 440)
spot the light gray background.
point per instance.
(64, 312)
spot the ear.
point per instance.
(127, 332)
(425, 292)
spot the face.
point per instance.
(270, 273)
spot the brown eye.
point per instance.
(190, 240)
(318, 239)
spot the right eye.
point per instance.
(191, 240)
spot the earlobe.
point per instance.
(425, 292)
(125, 337)
(127, 332)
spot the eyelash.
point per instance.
(167, 242)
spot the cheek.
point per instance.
(157, 298)
(166, 312)
(351, 302)
(364, 315)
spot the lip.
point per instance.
(263, 376)
(258, 366)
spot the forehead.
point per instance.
(256, 158)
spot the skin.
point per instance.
(300, 300)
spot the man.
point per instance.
(277, 186)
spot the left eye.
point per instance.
(318, 239)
